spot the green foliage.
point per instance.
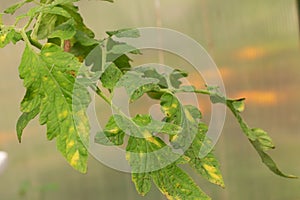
(58, 73)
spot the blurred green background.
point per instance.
(256, 47)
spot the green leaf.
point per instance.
(111, 76)
(239, 105)
(259, 139)
(55, 11)
(123, 49)
(47, 26)
(154, 126)
(124, 33)
(84, 39)
(23, 121)
(264, 140)
(268, 161)
(151, 72)
(122, 61)
(216, 96)
(175, 77)
(50, 82)
(94, 60)
(177, 185)
(73, 12)
(64, 31)
(136, 85)
(62, 2)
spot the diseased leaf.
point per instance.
(112, 134)
(171, 108)
(194, 111)
(64, 31)
(8, 35)
(142, 182)
(177, 185)
(208, 167)
(111, 76)
(50, 83)
(180, 115)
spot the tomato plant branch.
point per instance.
(60, 62)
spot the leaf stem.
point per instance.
(102, 95)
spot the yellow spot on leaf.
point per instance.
(71, 129)
(174, 105)
(48, 54)
(70, 144)
(153, 141)
(75, 158)
(114, 130)
(63, 114)
(3, 37)
(189, 116)
(212, 172)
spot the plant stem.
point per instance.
(25, 38)
(36, 26)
